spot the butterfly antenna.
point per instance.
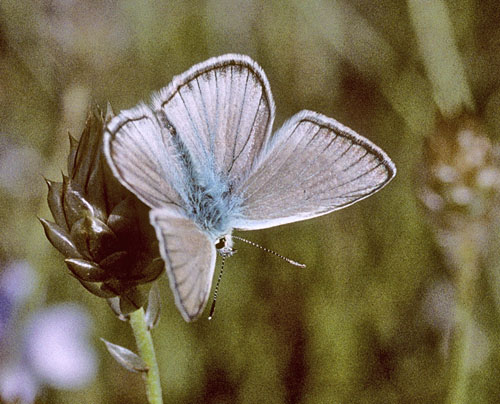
(212, 308)
(297, 264)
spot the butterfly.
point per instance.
(203, 157)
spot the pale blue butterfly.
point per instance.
(201, 155)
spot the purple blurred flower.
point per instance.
(57, 348)
(17, 384)
(50, 348)
(17, 281)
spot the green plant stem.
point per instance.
(460, 355)
(462, 336)
(146, 349)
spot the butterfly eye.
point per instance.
(221, 243)
(224, 247)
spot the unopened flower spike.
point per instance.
(101, 228)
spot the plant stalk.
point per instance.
(462, 338)
(146, 349)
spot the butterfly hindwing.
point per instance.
(313, 165)
(189, 257)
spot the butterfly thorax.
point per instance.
(208, 197)
(212, 207)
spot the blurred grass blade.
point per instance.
(440, 55)
(363, 46)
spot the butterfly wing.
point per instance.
(142, 156)
(189, 257)
(313, 166)
(222, 111)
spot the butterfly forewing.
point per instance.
(142, 157)
(313, 166)
(222, 111)
(189, 258)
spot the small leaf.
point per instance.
(153, 270)
(89, 148)
(93, 236)
(114, 304)
(109, 113)
(115, 261)
(86, 270)
(73, 146)
(153, 309)
(121, 218)
(55, 203)
(74, 203)
(101, 237)
(97, 290)
(125, 357)
(131, 300)
(60, 239)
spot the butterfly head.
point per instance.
(224, 246)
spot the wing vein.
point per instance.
(270, 177)
(138, 148)
(359, 176)
(193, 126)
(312, 161)
(248, 137)
(209, 131)
(356, 162)
(241, 114)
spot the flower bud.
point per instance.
(101, 228)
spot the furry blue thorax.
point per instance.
(207, 194)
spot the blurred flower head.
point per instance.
(460, 189)
(57, 348)
(101, 228)
(17, 384)
(460, 184)
(17, 282)
(438, 313)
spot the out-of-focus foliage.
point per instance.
(372, 317)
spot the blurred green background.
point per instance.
(373, 317)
